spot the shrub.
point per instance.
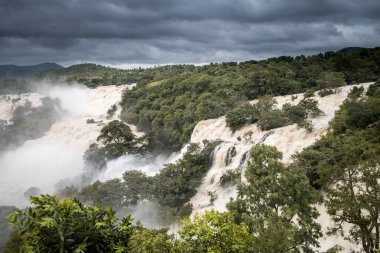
(325, 92)
(230, 177)
(308, 93)
(241, 115)
(90, 121)
(374, 89)
(271, 119)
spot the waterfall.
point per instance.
(288, 139)
(58, 154)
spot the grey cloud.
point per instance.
(175, 31)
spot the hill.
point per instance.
(14, 71)
(352, 49)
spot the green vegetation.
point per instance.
(374, 90)
(283, 221)
(274, 210)
(168, 101)
(171, 187)
(345, 163)
(230, 177)
(308, 93)
(90, 121)
(67, 225)
(215, 232)
(175, 184)
(171, 109)
(53, 225)
(268, 117)
(151, 240)
(117, 139)
(94, 75)
(28, 123)
(242, 115)
(111, 111)
(276, 203)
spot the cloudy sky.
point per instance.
(143, 32)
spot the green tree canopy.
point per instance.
(274, 196)
(53, 225)
(215, 232)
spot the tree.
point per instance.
(353, 195)
(277, 197)
(241, 115)
(176, 183)
(151, 240)
(271, 119)
(215, 232)
(374, 89)
(118, 139)
(137, 186)
(94, 158)
(355, 200)
(299, 113)
(53, 225)
(265, 103)
(107, 194)
(330, 80)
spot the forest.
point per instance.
(275, 208)
(168, 101)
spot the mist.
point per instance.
(150, 166)
(57, 155)
(49, 163)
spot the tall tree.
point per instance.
(118, 140)
(274, 196)
(354, 196)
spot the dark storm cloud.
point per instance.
(171, 31)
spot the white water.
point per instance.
(58, 154)
(150, 166)
(289, 140)
(8, 103)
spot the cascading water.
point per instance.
(289, 140)
(58, 154)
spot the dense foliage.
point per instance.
(94, 75)
(170, 107)
(169, 100)
(67, 225)
(274, 210)
(267, 116)
(117, 139)
(283, 220)
(215, 232)
(53, 225)
(276, 203)
(345, 163)
(171, 187)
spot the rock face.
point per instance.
(233, 152)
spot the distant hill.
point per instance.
(352, 49)
(13, 71)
